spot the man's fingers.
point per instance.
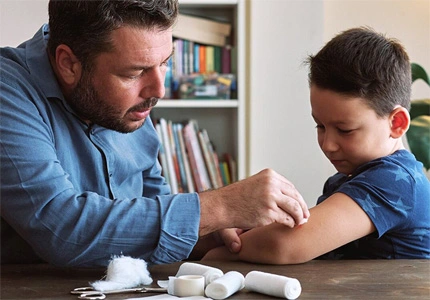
(231, 239)
(292, 211)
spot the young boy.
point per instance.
(378, 204)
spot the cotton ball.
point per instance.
(124, 272)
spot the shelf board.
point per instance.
(197, 103)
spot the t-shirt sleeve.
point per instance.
(385, 192)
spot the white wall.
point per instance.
(282, 32)
(282, 133)
(20, 19)
(406, 20)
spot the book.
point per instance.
(173, 152)
(218, 170)
(217, 59)
(201, 30)
(210, 58)
(169, 161)
(185, 57)
(190, 187)
(168, 81)
(226, 60)
(203, 24)
(198, 167)
(209, 161)
(177, 57)
(196, 58)
(162, 155)
(225, 173)
(182, 182)
(231, 166)
(202, 58)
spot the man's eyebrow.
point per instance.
(138, 68)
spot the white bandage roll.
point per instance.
(225, 286)
(186, 286)
(273, 285)
(210, 273)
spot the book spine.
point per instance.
(167, 148)
(174, 156)
(202, 58)
(210, 57)
(186, 163)
(214, 158)
(226, 60)
(196, 58)
(208, 159)
(162, 155)
(195, 154)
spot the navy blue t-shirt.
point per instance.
(395, 194)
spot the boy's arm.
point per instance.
(333, 223)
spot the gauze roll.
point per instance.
(186, 286)
(225, 286)
(273, 285)
(210, 273)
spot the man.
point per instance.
(80, 176)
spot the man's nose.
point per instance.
(154, 84)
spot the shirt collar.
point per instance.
(39, 65)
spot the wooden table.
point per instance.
(354, 279)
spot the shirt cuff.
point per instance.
(179, 232)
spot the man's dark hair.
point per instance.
(86, 25)
(360, 62)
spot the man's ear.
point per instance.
(68, 66)
(399, 121)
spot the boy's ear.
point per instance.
(68, 66)
(399, 121)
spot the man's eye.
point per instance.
(135, 75)
(319, 127)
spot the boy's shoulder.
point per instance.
(400, 168)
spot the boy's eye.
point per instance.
(344, 131)
(319, 127)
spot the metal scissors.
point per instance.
(89, 293)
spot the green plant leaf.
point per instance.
(420, 107)
(418, 72)
(418, 137)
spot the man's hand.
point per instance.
(229, 238)
(259, 200)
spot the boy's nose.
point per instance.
(328, 144)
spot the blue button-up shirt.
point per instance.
(79, 194)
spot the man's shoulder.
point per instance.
(13, 65)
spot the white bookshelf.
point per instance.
(223, 119)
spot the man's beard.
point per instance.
(88, 104)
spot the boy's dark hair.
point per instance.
(85, 25)
(360, 62)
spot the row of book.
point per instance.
(202, 46)
(189, 160)
(191, 57)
